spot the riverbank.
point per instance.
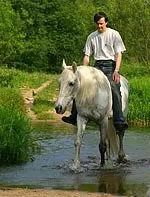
(48, 193)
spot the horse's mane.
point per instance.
(90, 81)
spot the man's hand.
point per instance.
(86, 60)
(116, 77)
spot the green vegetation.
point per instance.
(15, 140)
(16, 143)
(37, 35)
(139, 102)
(139, 98)
(15, 78)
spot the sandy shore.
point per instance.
(47, 193)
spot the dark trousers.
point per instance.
(108, 67)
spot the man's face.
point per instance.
(101, 25)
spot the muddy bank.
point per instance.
(47, 193)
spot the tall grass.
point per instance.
(139, 101)
(16, 142)
(139, 97)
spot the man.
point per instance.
(106, 46)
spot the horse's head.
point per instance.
(68, 87)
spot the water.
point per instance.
(50, 169)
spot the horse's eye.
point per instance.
(71, 83)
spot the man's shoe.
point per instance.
(69, 120)
(121, 126)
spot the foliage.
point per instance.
(133, 22)
(37, 35)
(54, 30)
(11, 35)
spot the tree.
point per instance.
(54, 30)
(11, 36)
(132, 20)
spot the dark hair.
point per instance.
(100, 15)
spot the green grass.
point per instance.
(20, 79)
(132, 69)
(16, 142)
(139, 100)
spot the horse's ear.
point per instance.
(74, 66)
(64, 64)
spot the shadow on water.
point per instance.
(51, 168)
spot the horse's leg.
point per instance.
(121, 153)
(107, 149)
(103, 136)
(81, 124)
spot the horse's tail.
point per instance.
(112, 137)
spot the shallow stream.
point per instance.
(50, 169)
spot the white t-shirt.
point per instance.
(104, 46)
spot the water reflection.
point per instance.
(110, 182)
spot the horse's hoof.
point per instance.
(77, 169)
(122, 160)
(107, 165)
(102, 165)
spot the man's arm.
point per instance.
(116, 76)
(118, 61)
(86, 60)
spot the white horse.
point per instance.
(92, 92)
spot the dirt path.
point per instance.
(29, 97)
(47, 193)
